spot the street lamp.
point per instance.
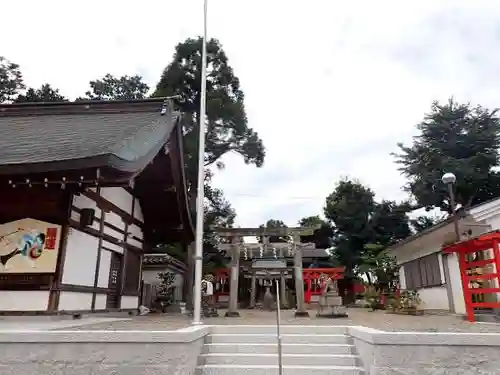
(201, 177)
(449, 179)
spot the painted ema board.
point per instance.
(29, 246)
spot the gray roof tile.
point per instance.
(126, 135)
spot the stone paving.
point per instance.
(357, 316)
(41, 324)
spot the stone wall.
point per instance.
(422, 353)
(101, 352)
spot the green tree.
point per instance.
(379, 267)
(117, 88)
(272, 223)
(457, 138)
(227, 125)
(11, 80)
(44, 94)
(349, 208)
(422, 223)
(390, 222)
(358, 220)
(322, 237)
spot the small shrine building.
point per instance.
(255, 265)
(86, 189)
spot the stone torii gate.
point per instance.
(235, 235)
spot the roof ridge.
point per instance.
(85, 107)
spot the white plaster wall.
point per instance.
(138, 211)
(435, 298)
(81, 201)
(37, 300)
(135, 231)
(135, 243)
(129, 302)
(73, 301)
(100, 301)
(402, 278)
(112, 232)
(81, 257)
(119, 197)
(456, 283)
(111, 246)
(104, 268)
(115, 220)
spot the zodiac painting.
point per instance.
(29, 246)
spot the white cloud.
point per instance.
(330, 86)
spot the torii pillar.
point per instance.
(232, 311)
(299, 278)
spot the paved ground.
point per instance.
(41, 324)
(357, 316)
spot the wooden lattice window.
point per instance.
(423, 272)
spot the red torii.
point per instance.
(481, 243)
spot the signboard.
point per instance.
(29, 246)
(269, 264)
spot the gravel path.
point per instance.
(357, 316)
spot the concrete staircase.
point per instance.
(311, 350)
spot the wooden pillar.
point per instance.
(496, 256)
(253, 292)
(299, 280)
(232, 312)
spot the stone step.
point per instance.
(273, 370)
(290, 329)
(272, 359)
(270, 348)
(271, 338)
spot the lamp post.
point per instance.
(449, 180)
(201, 177)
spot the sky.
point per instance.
(331, 87)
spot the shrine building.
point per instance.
(86, 189)
(299, 267)
(462, 277)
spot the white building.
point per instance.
(436, 276)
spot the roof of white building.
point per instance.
(476, 214)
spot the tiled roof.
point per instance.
(120, 134)
(162, 259)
